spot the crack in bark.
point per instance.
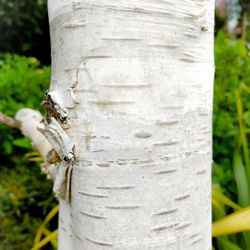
(183, 197)
(106, 244)
(92, 215)
(124, 207)
(117, 188)
(93, 195)
(170, 211)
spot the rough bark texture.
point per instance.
(134, 81)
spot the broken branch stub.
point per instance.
(53, 105)
(61, 156)
(58, 138)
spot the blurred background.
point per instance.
(28, 209)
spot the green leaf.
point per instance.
(221, 198)
(7, 147)
(234, 223)
(42, 228)
(46, 240)
(227, 244)
(241, 180)
(243, 136)
(218, 210)
(22, 142)
(246, 117)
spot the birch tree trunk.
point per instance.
(129, 114)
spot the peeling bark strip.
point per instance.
(55, 121)
(63, 146)
(133, 79)
(54, 107)
(58, 138)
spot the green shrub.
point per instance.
(232, 72)
(25, 194)
(23, 82)
(231, 128)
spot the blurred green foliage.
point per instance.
(231, 129)
(24, 28)
(25, 194)
(232, 73)
(23, 82)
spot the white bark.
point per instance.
(29, 120)
(132, 87)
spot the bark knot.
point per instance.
(53, 106)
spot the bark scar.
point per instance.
(53, 104)
(60, 159)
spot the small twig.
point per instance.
(8, 121)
